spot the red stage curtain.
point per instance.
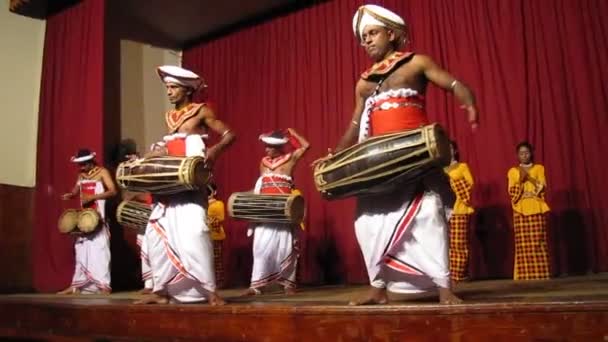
(71, 116)
(537, 70)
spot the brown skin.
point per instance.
(108, 183)
(104, 176)
(287, 170)
(214, 299)
(379, 43)
(524, 155)
(202, 123)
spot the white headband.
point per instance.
(272, 141)
(181, 76)
(376, 15)
(83, 158)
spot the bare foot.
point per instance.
(144, 291)
(290, 290)
(250, 292)
(446, 296)
(375, 295)
(153, 299)
(70, 290)
(105, 292)
(215, 299)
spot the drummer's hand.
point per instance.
(322, 159)
(128, 196)
(472, 116)
(67, 196)
(211, 156)
(85, 198)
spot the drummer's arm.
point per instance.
(304, 144)
(108, 184)
(353, 127)
(216, 125)
(444, 80)
(134, 196)
(72, 193)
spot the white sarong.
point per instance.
(92, 253)
(180, 252)
(146, 271)
(275, 253)
(403, 237)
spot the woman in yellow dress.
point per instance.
(461, 181)
(527, 185)
(215, 220)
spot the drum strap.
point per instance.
(377, 89)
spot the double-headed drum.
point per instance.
(88, 220)
(163, 175)
(133, 214)
(83, 221)
(272, 208)
(381, 163)
(68, 221)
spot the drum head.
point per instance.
(200, 173)
(296, 209)
(134, 215)
(68, 221)
(439, 145)
(88, 220)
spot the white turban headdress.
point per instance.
(181, 76)
(82, 156)
(275, 138)
(379, 16)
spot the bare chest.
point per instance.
(284, 169)
(406, 76)
(194, 125)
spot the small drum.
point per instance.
(133, 214)
(381, 163)
(164, 175)
(266, 208)
(88, 220)
(68, 221)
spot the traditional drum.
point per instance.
(163, 175)
(68, 221)
(133, 214)
(275, 208)
(382, 162)
(88, 220)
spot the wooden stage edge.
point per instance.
(565, 309)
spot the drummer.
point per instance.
(403, 234)
(92, 251)
(275, 253)
(179, 246)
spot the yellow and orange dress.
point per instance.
(529, 223)
(215, 217)
(461, 181)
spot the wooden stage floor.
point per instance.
(565, 309)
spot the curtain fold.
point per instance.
(70, 116)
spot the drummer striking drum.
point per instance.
(179, 247)
(402, 233)
(92, 251)
(275, 253)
